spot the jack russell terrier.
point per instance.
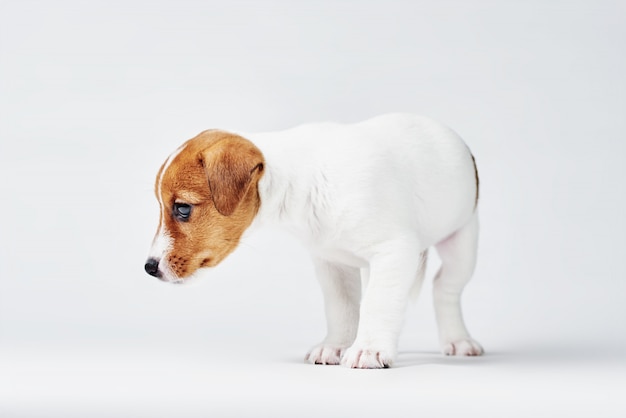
(367, 199)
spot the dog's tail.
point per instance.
(419, 278)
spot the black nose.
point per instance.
(152, 267)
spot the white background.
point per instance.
(94, 96)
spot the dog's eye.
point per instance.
(182, 211)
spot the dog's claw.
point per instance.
(464, 347)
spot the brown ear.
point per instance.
(230, 166)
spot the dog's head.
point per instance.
(207, 190)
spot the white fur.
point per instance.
(367, 200)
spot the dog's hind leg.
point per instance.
(341, 287)
(458, 258)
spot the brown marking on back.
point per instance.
(477, 181)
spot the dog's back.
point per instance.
(391, 173)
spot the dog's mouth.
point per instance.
(175, 280)
(162, 271)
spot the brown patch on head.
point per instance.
(216, 174)
(477, 180)
(229, 168)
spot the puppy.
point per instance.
(367, 199)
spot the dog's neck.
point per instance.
(287, 190)
(282, 195)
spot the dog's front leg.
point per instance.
(392, 272)
(341, 286)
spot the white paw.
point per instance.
(462, 347)
(365, 358)
(325, 354)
